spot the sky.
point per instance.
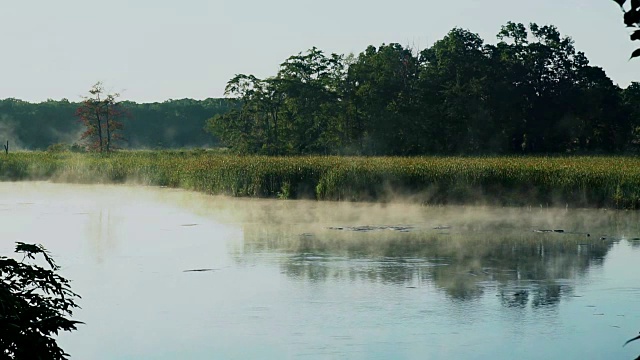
(156, 50)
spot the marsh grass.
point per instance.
(547, 181)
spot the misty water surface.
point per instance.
(323, 280)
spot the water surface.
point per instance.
(167, 274)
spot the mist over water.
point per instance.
(168, 274)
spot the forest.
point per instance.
(169, 124)
(531, 93)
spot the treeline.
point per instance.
(532, 92)
(170, 124)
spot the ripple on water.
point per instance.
(488, 287)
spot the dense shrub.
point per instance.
(35, 305)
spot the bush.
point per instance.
(77, 148)
(35, 303)
(58, 148)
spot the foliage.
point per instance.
(168, 124)
(59, 147)
(36, 303)
(172, 123)
(101, 116)
(631, 18)
(601, 181)
(531, 93)
(297, 111)
(64, 147)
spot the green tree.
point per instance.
(167, 124)
(252, 126)
(597, 120)
(309, 86)
(171, 123)
(454, 85)
(541, 70)
(631, 108)
(295, 111)
(532, 92)
(382, 81)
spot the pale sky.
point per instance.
(155, 50)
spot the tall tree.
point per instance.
(100, 113)
(310, 88)
(631, 108)
(532, 92)
(542, 70)
(296, 111)
(597, 120)
(251, 127)
(382, 81)
(454, 86)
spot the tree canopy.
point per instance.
(168, 124)
(531, 92)
(101, 115)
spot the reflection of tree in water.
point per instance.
(541, 295)
(547, 295)
(526, 267)
(635, 243)
(515, 261)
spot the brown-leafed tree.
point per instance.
(101, 113)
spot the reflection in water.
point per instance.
(99, 229)
(168, 274)
(528, 267)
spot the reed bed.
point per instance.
(549, 181)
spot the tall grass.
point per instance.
(576, 181)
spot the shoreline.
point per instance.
(569, 181)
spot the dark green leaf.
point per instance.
(39, 301)
(632, 17)
(635, 4)
(635, 35)
(620, 2)
(630, 340)
(635, 53)
(28, 248)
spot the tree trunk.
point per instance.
(99, 123)
(108, 127)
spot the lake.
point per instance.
(171, 274)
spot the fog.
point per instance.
(8, 131)
(280, 278)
